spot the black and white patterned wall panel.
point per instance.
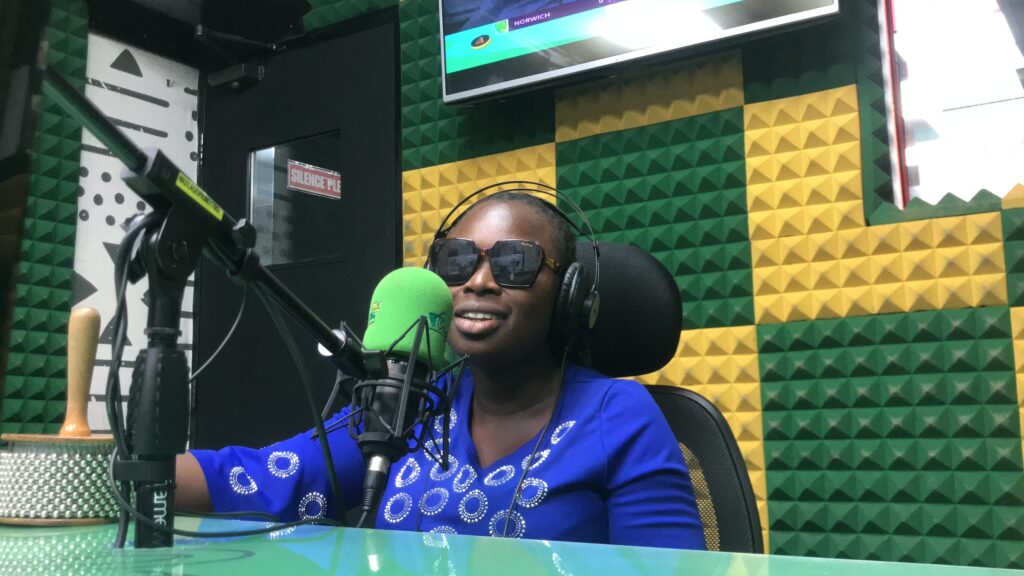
(155, 103)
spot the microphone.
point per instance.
(410, 311)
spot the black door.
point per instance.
(326, 108)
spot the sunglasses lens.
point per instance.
(515, 263)
(454, 259)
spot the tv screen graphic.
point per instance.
(491, 47)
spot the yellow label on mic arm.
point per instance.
(196, 193)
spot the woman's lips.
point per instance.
(477, 325)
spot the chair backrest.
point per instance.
(640, 316)
(725, 498)
(637, 332)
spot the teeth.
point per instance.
(479, 316)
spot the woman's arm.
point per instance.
(287, 479)
(191, 492)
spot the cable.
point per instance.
(307, 386)
(338, 384)
(129, 244)
(231, 332)
(114, 395)
(333, 396)
(129, 247)
(122, 450)
(339, 423)
(529, 460)
(362, 519)
(242, 514)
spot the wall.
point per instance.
(36, 366)
(156, 99)
(868, 360)
(68, 188)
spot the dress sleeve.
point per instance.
(287, 479)
(650, 498)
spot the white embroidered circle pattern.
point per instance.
(430, 447)
(465, 478)
(516, 523)
(393, 516)
(437, 537)
(537, 490)
(437, 474)
(408, 474)
(538, 459)
(241, 482)
(438, 495)
(500, 476)
(561, 431)
(439, 421)
(313, 497)
(274, 464)
(470, 513)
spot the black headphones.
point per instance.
(577, 302)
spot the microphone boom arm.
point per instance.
(188, 223)
(195, 222)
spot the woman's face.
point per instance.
(496, 325)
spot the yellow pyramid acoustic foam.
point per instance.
(682, 90)
(1017, 322)
(428, 194)
(1014, 198)
(721, 364)
(814, 256)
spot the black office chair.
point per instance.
(725, 498)
(637, 332)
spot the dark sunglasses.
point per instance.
(514, 263)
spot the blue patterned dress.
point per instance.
(607, 470)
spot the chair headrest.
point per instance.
(640, 315)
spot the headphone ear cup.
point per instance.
(589, 310)
(564, 318)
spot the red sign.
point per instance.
(309, 178)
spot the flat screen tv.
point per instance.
(491, 47)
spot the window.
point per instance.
(955, 82)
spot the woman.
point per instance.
(539, 449)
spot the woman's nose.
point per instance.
(482, 280)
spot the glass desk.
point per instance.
(321, 550)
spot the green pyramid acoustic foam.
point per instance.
(876, 164)
(434, 133)
(678, 190)
(326, 12)
(894, 437)
(1013, 249)
(948, 205)
(36, 381)
(811, 59)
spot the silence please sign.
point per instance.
(314, 180)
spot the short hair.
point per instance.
(565, 239)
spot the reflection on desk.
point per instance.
(321, 550)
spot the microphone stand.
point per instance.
(190, 223)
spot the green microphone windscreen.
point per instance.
(399, 300)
